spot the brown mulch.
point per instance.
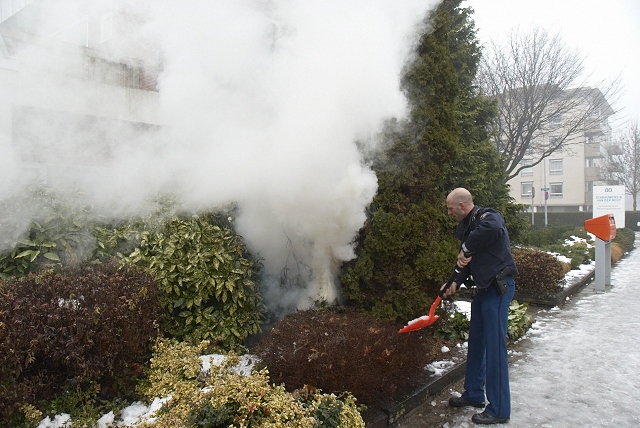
(338, 350)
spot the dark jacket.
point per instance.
(483, 234)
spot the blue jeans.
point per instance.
(487, 364)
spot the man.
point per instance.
(485, 256)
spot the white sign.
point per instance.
(609, 200)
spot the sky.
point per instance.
(606, 32)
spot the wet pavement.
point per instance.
(578, 366)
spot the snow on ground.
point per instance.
(579, 366)
(575, 275)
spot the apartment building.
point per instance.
(563, 182)
(70, 73)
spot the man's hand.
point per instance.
(450, 291)
(463, 260)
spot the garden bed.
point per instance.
(336, 350)
(556, 300)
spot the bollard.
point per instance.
(604, 228)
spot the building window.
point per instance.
(555, 143)
(555, 190)
(590, 139)
(525, 189)
(589, 162)
(556, 120)
(555, 166)
(527, 169)
(588, 186)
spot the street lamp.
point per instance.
(533, 194)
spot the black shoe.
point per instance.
(486, 419)
(461, 402)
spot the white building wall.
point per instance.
(580, 158)
(546, 174)
(8, 80)
(37, 88)
(45, 85)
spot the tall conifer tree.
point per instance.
(407, 249)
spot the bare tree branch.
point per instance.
(532, 77)
(622, 164)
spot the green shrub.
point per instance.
(540, 274)
(403, 260)
(553, 239)
(580, 253)
(456, 326)
(225, 398)
(519, 320)
(206, 281)
(541, 237)
(206, 276)
(626, 238)
(576, 233)
(117, 240)
(59, 233)
(70, 337)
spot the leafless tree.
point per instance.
(543, 105)
(622, 164)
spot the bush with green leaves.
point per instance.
(626, 238)
(554, 239)
(541, 237)
(456, 326)
(42, 229)
(519, 320)
(580, 253)
(223, 397)
(69, 338)
(207, 281)
(406, 249)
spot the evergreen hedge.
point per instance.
(406, 250)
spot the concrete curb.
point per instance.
(380, 418)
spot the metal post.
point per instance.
(545, 189)
(546, 221)
(600, 264)
(607, 262)
(533, 194)
(603, 264)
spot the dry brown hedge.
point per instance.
(539, 273)
(339, 350)
(63, 331)
(616, 252)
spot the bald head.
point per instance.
(459, 203)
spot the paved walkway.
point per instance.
(577, 367)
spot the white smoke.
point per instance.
(260, 104)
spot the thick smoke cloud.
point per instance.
(260, 103)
